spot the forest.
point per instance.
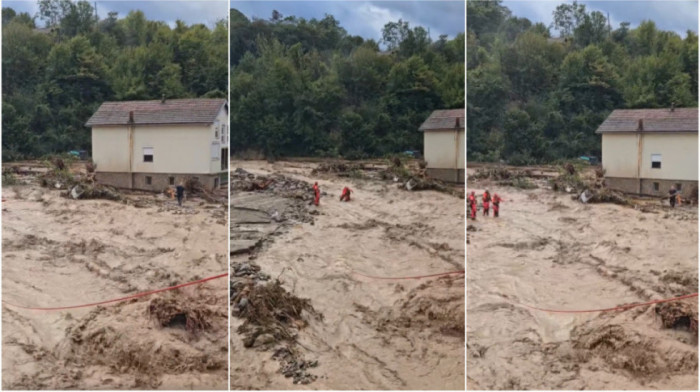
(308, 88)
(535, 97)
(58, 67)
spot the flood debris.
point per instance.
(271, 316)
(169, 313)
(678, 315)
(291, 366)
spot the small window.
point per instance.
(216, 183)
(215, 150)
(679, 187)
(216, 134)
(149, 180)
(148, 154)
(171, 180)
(656, 186)
(656, 161)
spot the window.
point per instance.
(171, 180)
(215, 149)
(224, 133)
(216, 183)
(656, 161)
(216, 134)
(679, 187)
(148, 154)
(149, 180)
(656, 186)
(224, 158)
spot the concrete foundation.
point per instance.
(448, 175)
(650, 187)
(158, 181)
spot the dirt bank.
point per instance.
(58, 251)
(549, 251)
(373, 334)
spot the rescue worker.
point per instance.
(180, 190)
(317, 193)
(472, 205)
(486, 199)
(496, 202)
(673, 194)
(345, 195)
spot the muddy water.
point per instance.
(384, 231)
(551, 252)
(60, 252)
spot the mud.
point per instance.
(374, 334)
(549, 251)
(59, 251)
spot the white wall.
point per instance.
(110, 149)
(442, 147)
(620, 155)
(679, 155)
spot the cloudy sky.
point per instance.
(367, 18)
(673, 15)
(200, 11)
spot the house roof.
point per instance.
(172, 111)
(651, 120)
(444, 119)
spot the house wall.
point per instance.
(679, 157)
(444, 149)
(159, 181)
(110, 149)
(221, 124)
(448, 175)
(619, 155)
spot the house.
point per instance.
(443, 144)
(646, 151)
(150, 145)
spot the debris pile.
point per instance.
(679, 315)
(342, 169)
(271, 316)
(85, 190)
(172, 313)
(276, 184)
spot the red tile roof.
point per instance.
(172, 111)
(652, 120)
(444, 119)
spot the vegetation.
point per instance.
(307, 88)
(536, 99)
(55, 77)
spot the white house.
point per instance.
(646, 151)
(443, 144)
(150, 145)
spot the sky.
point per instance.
(192, 12)
(672, 15)
(367, 18)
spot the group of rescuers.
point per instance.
(344, 195)
(486, 201)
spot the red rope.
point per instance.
(622, 307)
(409, 277)
(138, 295)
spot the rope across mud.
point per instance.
(138, 295)
(621, 307)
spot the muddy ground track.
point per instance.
(630, 349)
(121, 345)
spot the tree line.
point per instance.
(56, 76)
(533, 98)
(308, 88)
